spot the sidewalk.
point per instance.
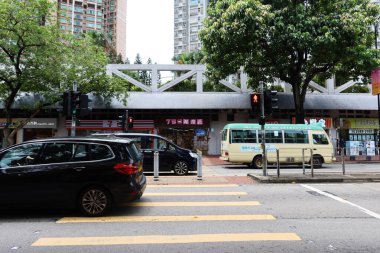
(208, 176)
(211, 178)
(317, 178)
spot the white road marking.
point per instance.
(364, 210)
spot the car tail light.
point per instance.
(226, 153)
(127, 169)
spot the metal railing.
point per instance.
(342, 155)
(156, 165)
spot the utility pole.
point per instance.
(262, 123)
(73, 115)
(378, 94)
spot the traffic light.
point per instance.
(84, 110)
(67, 104)
(270, 102)
(130, 123)
(256, 104)
(122, 123)
(75, 102)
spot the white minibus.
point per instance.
(241, 143)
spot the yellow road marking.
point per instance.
(193, 193)
(159, 239)
(192, 186)
(246, 217)
(221, 203)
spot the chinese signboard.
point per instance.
(324, 122)
(184, 121)
(109, 124)
(350, 123)
(33, 123)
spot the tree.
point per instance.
(141, 73)
(105, 40)
(148, 80)
(38, 61)
(294, 41)
(196, 57)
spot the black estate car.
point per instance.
(90, 173)
(171, 156)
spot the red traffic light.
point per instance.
(256, 104)
(130, 122)
(255, 98)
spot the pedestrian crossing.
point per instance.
(153, 198)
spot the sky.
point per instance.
(150, 30)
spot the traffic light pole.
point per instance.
(74, 112)
(264, 152)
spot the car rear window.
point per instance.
(133, 151)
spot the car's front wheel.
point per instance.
(94, 201)
(181, 168)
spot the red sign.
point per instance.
(325, 122)
(184, 121)
(375, 76)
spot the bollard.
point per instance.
(343, 162)
(278, 162)
(199, 165)
(303, 161)
(311, 162)
(156, 165)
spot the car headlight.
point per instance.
(194, 155)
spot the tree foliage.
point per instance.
(39, 61)
(294, 41)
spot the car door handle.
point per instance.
(79, 169)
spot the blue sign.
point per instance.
(200, 132)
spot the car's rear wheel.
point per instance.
(94, 201)
(181, 168)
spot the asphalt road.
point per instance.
(211, 218)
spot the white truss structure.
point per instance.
(197, 72)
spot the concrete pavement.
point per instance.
(210, 176)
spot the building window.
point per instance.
(78, 9)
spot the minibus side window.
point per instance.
(296, 136)
(320, 139)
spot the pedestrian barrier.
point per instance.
(199, 165)
(307, 162)
(156, 165)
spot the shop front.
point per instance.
(359, 136)
(36, 128)
(187, 132)
(88, 127)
